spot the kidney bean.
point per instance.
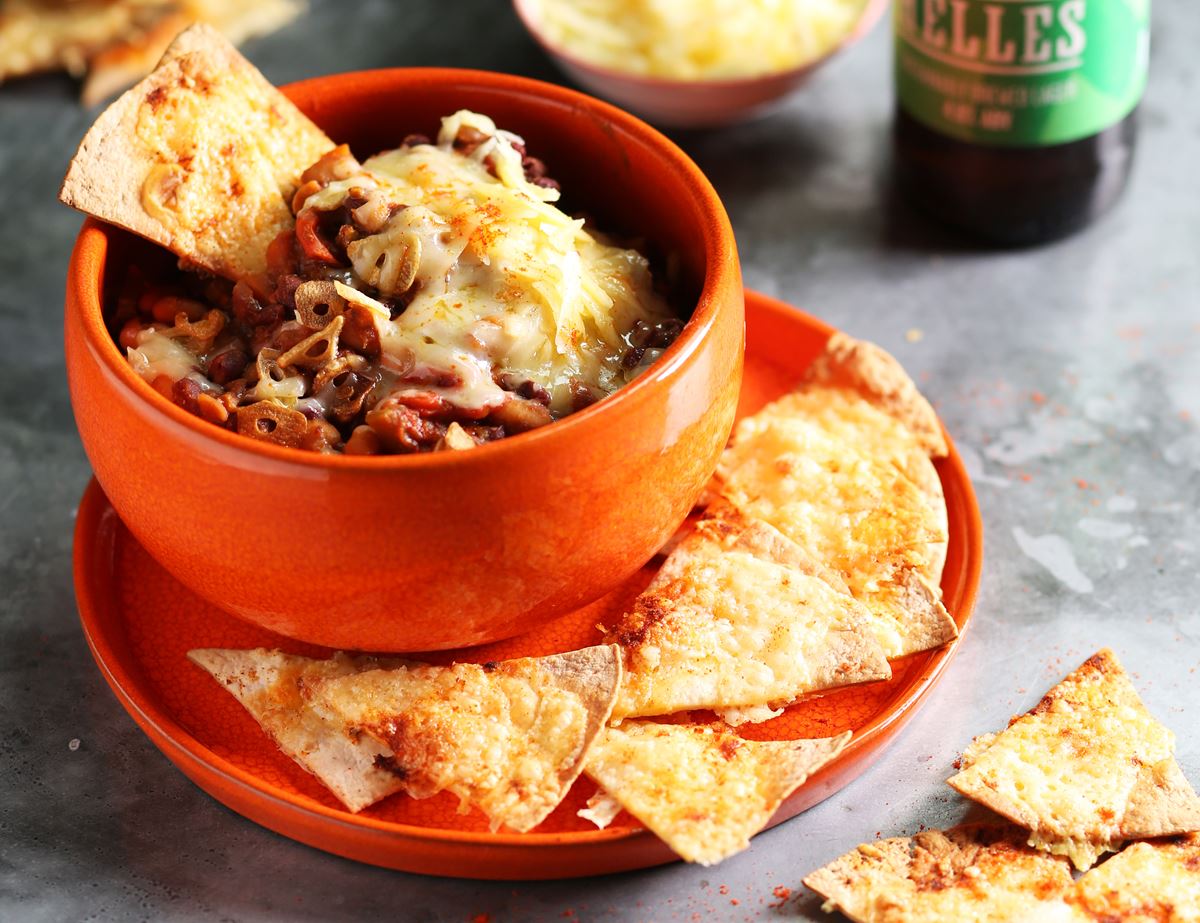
(185, 393)
(228, 365)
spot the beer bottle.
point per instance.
(1016, 118)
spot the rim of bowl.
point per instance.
(91, 252)
(870, 15)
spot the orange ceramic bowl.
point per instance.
(692, 103)
(425, 552)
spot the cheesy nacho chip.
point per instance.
(1150, 882)
(854, 421)
(739, 617)
(965, 873)
(875, 375)
(850, 505)
(1085, 769)
(269, 684)
(201, 157)
(703, 789)
(509, 737)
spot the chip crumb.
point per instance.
(73, 744)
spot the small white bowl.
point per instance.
(692, 103)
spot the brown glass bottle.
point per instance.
(1013, 195)
(1017, 119)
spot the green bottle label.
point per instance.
(1021, 72)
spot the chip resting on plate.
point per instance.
(973, 872)
(269, 684)
(842, 468)
(702, 789)
(202, 157)
(510, 737)
(1155, 881)
(739, 620)
(1087, 769)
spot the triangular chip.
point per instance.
(1085, 770)
(875, 375)
(201, 157)
(510, 737)
(852, 507)
(739, 617)
(854, 422)
(965, 873)
(703, 790)
(133, 54)
(269, 683)
(1150, 882)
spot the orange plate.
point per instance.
(139, 623)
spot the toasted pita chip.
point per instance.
(37, 36)
(740, 618)
(1085, 770)
(853, 420)
(703, 790)
(201, 157)
(509, 737)
(268, 684)
(847, 503)
(874, 374)
(965, 873)
(1150, 882)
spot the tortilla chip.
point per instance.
(841, 495)
(509, 737)
(876, 376)
(37, 36)
(703, 789)
(268, 684)
(965, 873)
(739, 617)
(1085, 770)
(852, 420)
(201, 157)
(1151, 882)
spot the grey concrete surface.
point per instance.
(1069, 375)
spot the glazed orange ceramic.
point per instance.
(441, 550)
(140, 623)
(692, 103)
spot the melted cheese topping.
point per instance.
(497, 738)
(697, 39)
(505, 281)
(1067, 769)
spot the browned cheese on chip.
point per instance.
(874, 374)
(269, 683)
(842, 467)
(509, 737)
(739, 620)
(1085, 770)
(202, 157)
(117, 42)
(39, 36)
(1149, 882)
(702, 789)
(965, 873)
